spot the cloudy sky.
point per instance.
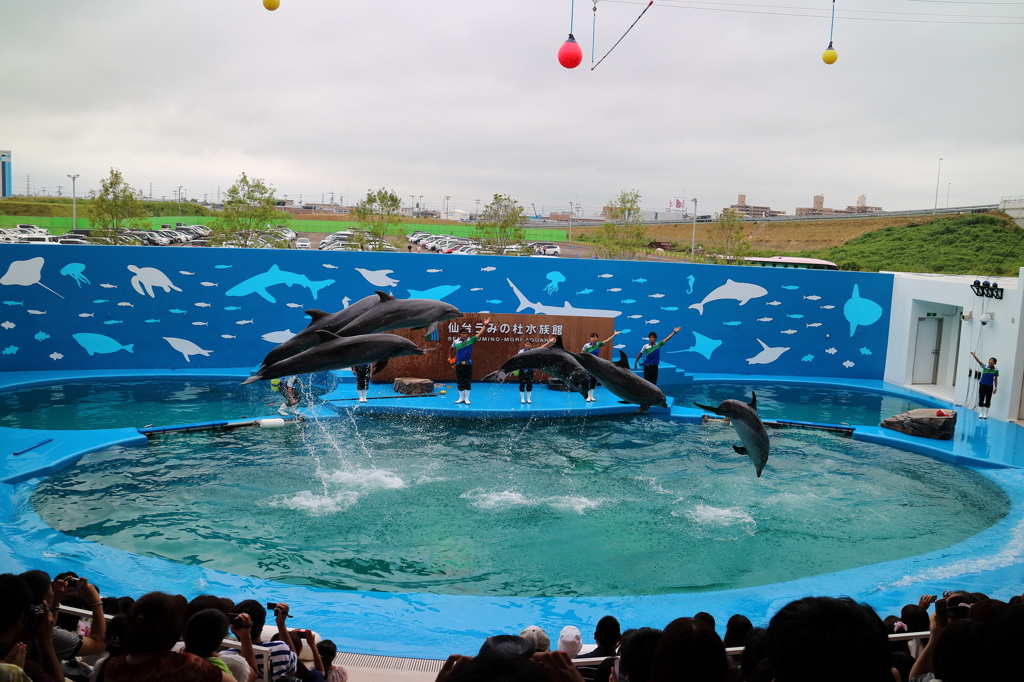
(466, 98)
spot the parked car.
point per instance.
(72, 240)
(549, 250)
(302, 243)
(39, 239)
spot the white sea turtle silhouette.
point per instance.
(149, 278)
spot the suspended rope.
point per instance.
(593, 33)
(623, 35)
(830, 56)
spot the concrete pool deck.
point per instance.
(430, 626)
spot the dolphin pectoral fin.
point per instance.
(625, 402)
(431, 328)
(739, 449)
(253, 378)
(381, 364)
(753, 404)
(643, 408)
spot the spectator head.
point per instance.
(203, 602)
(915, 618)
(689, 649)
(154, 623)
(1004, 656)
(986, 610)
(111, 606)
(204, 632)
(636, 653)
(506, 646)
(328, 650)
(817, 637)
(960, 651)
(736, 630)
(256, 612)
(126, 603)
(570, 641)
(706, 617)
(114, 637)
(607, 632)
(536, 636)
(40, 584)
(488, 668)
(15, 605)
(893, 625)
(755, 652)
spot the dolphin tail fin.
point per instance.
(381, 364)
(496, 375)
(753, 402)
(699, 307)
(523, 301)
(708, 408)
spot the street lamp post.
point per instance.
(570, 221)
(693, 237)
(937, 176)
(74, 202)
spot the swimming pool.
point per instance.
(633, 505)
(430, 624)
(834, 404)
(137, 402)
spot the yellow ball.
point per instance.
(830, 56)
(443, 392)
(271, 4)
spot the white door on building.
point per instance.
(926, 350)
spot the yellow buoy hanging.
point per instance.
(271, 4)
(830, 55)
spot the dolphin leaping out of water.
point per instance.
(336, 352)
(748, 425)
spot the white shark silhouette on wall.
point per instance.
(566, 309)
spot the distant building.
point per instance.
(5, 174)
(743, 209)
(819, 207)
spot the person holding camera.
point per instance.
(283, 658)
(22, 622)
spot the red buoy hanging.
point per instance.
(570, 54)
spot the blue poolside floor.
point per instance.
(434, 626)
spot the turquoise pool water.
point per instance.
(801, 402)
(555, 507)
(108, 404)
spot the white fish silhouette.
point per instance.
(109, 286)
(656, 296)
(200, 324)
(36, 312)
(605, 275)
(813, 298)
(764, 319)
(209, 284)
(489, 268)
(831, 351)
(434, 270)
(651, 321)
(202, 305)
(8, 325)
(185, 272)
(56, 356)
(814, 324)
(615, 290)
(86, 315)
(244, 322)
(125, 304)
(328, 265)
(774, 303)
(848, 364)
(227, 336)
(827, 307)
(294, 305)
(788, 331)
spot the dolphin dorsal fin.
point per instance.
(384, 296)
(316, 314)
(558, 343)
(753, 401)
(623, 360)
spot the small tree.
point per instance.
(728, 243)
(624, 235)
(250, 207)
(503, 223)
(379, 214)
(117, 207)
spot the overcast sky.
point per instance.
(466, 98)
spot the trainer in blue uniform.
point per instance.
(651, 353)
(461, 355)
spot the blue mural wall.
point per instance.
(127, 307)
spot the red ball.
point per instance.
(570, 54)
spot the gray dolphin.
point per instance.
(402, 313)
(332, 322)
(748, 425)
(618, 378)
(340, 352)
(554, 360)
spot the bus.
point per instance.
(792, 262)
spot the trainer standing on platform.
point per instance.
(461, 355)
(987, 385)
(651, 353)
(594, 348)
